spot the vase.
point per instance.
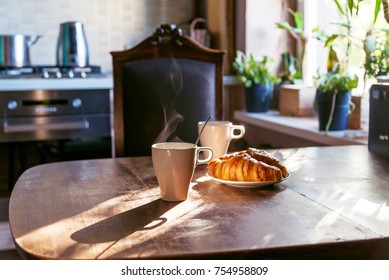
(258, 97)
(333, 109)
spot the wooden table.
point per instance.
(335, 205)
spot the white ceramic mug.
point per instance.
(218, 135)
(174, 164)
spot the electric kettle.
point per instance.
(72, 47)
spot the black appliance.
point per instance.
(77, 109)
(378, 141)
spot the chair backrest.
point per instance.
(162, 88)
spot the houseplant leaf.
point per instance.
(350, 4)
(377, 9)
(252, 71)
(332, 61)
(339, 7)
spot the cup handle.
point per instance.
(239, 128)
(208, 158)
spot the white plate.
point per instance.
(238, 184)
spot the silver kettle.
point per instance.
(72, 47)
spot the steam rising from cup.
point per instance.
(171, 117)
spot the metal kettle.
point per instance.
(72, 47)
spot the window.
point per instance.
(263, 37)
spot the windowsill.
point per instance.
(299, 128)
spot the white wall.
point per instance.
(262, 35)
(109, 24)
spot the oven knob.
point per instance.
(45, 74)
(12, 105)
(58, 74)
(71, 74)
(77, 103)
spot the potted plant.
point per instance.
(333, 99)
(375, 56)
(333, 88)
(295, 98)
(257, 80)
(373, 44)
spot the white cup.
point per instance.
(218, 135)
(174, 164)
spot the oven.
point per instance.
(44, 105)
(41, 115)
(50, 103)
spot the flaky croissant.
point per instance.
(264, 156)
(243, 166)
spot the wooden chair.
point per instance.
(162, 88)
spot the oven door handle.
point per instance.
(71, 125)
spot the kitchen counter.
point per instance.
(18, 84)
(104, 82)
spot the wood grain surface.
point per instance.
(333, 206)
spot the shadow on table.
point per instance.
(218, 192)
(144, 217)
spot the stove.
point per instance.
(50, 72)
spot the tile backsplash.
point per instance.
(110, 25)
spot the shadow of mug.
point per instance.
(116, 227)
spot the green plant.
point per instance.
(288, 71)
(336, 81)
(354, 5)
(252, 71)
(339, 47)
(376, 47)
(375, 42)
(297, 32)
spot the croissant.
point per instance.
(242, 166)
(264, 156)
